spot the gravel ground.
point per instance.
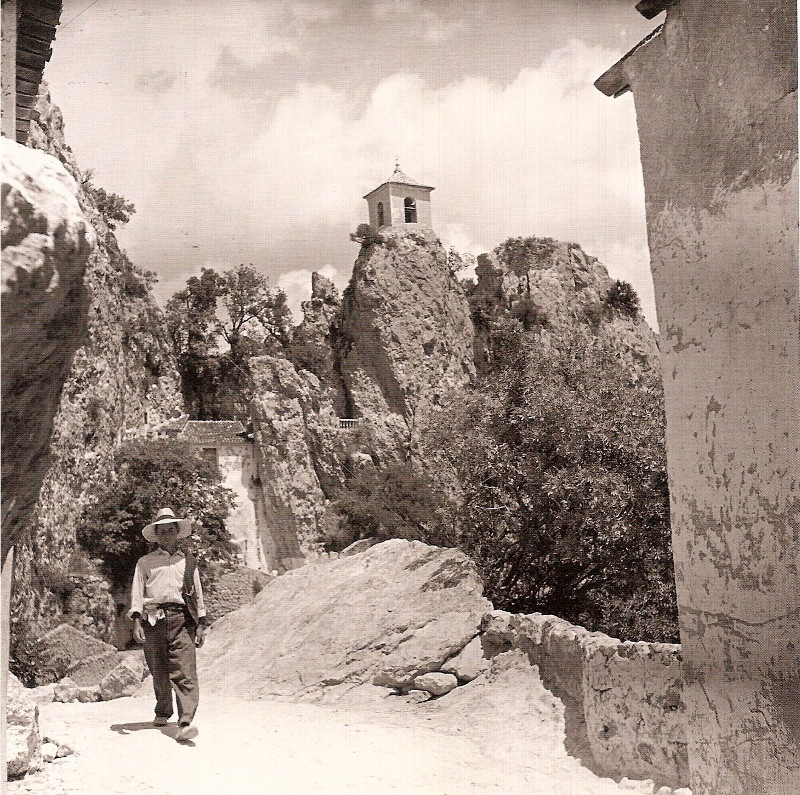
(270, 746)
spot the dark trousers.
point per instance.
(170, 655)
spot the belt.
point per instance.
(172, 606)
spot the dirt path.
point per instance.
(265, 746)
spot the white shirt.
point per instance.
(158, 579)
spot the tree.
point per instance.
(148, 476)
(113, 207)
(560, 477)
(249, 301)
(622, 299)
(239, 307)
(392, 503)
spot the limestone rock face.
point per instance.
(122, 378)
(23, 739)
(387, 615)
(296, 438)
(47, 241)
(543, 282)
(437, 684)
(406, 336)
(311, 348)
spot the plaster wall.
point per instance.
(393, 197)
(237, 468)
(623, 698)
(716, 105)
(8, 73)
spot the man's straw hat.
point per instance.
(165, 516)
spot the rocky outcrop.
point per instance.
(122, 379)
(387, 615)
(296, 438)
(47, 241)
(553, 286)
(405, 341)
(311, 347)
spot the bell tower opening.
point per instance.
(411, 210)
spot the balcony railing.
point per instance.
(347, 423)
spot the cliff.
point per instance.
(405, 337)
(555, 286)
(121, 379)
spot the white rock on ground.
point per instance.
(65, 691)
(437, 684)
(469, 663)
(23, 739)
(125, 679)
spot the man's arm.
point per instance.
(137, 601)
(199, 636)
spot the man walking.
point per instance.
(169, 619)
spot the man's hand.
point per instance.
(199, 635)
(138, 631)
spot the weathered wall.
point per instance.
(626, 697)
(393, 198)
(238, 470)
(716, 103)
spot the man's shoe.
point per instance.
(159, 721)
(186, 732)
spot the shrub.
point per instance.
(622, 299)
(148, 476)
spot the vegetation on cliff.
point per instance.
(239, 309)
(550, 471)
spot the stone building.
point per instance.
(400, 201)
(229, 448)
(715, 89)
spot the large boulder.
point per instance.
(23, 739)
(47, 240)
(65, 649)
(125, 679)
(396, 611)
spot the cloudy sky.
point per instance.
(249, 130)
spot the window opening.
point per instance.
(411, 210)
(380, 213)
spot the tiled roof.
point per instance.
(36, 29)
(399, 177)
(214, 432)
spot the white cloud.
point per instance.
(544, 154)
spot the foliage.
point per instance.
(239, 307)
(520, 253)
(113, 207)
(366, 235)
(622, 299)
(248, 298)
(393, 503)
(148, 476)
(559, 468)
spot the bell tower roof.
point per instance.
(399, 177)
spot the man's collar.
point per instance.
(162, 551)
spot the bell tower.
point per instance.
(400, 201)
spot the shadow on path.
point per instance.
(170, 730)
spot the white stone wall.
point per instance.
(627, 696)
(237, 468)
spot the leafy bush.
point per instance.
(622, 299)
(148, 476)
(559, 474)
(366, 235)
(114, 208)
(521, 253)
(394, 503)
